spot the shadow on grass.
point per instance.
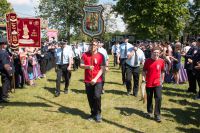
(78, 91)
(75, 111)
(174, 89)
(50, 89)
(175, 92)
(116, 92)
(110, 82)
(121, 126)
(190, 130)
(115, 71)
(129, 111)
(185, 102)
(81, 80)
(51, 80)
(184, 116)
(114, 68)
(24, 104)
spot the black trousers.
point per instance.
(94, 97)
(197, 75)
(19, 78)
(62, 72)
(123, 68)
(43, 65)
(6, 85)
(135, 72)
(115, 59)
(157, 92)
(191, 80)
(76, 63)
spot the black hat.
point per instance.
(126, 37)
(3, 41)
(138, 42)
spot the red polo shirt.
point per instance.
(97, 60)
(153, 70)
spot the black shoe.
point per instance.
(66, 91)
(91, 118)
(157, 118)
(149, 115)
(98, 118)
(135, 95)
(4, 100)
(128, 93)
(57, 93)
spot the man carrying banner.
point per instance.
(94, 65)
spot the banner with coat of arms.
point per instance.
(93, 23)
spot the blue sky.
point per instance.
(25, 8)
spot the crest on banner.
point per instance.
(93, 23)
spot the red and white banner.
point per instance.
(29, 30)
(13, 30)
(8, 28)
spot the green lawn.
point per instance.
(36, 110)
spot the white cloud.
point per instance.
(25, 8)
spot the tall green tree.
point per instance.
(153, 18)
(193, 25)
(5, 7)
(64, 15)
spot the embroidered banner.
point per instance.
(13, 31)
(93, 24)
(8, 28)
(29, 32)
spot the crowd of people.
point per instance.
(160, 62)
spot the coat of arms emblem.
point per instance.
(93, 24)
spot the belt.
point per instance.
(132, 66)
(62, 64)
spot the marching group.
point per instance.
(160, 61)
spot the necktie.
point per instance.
(61, 56)
(136, 59)
(125, 52)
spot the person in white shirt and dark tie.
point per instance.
(122, 57)
(115, 51)
(63, 56)
(135, 58)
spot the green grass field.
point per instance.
(36, 110)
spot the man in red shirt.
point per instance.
(94, 65)
(153, 71)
